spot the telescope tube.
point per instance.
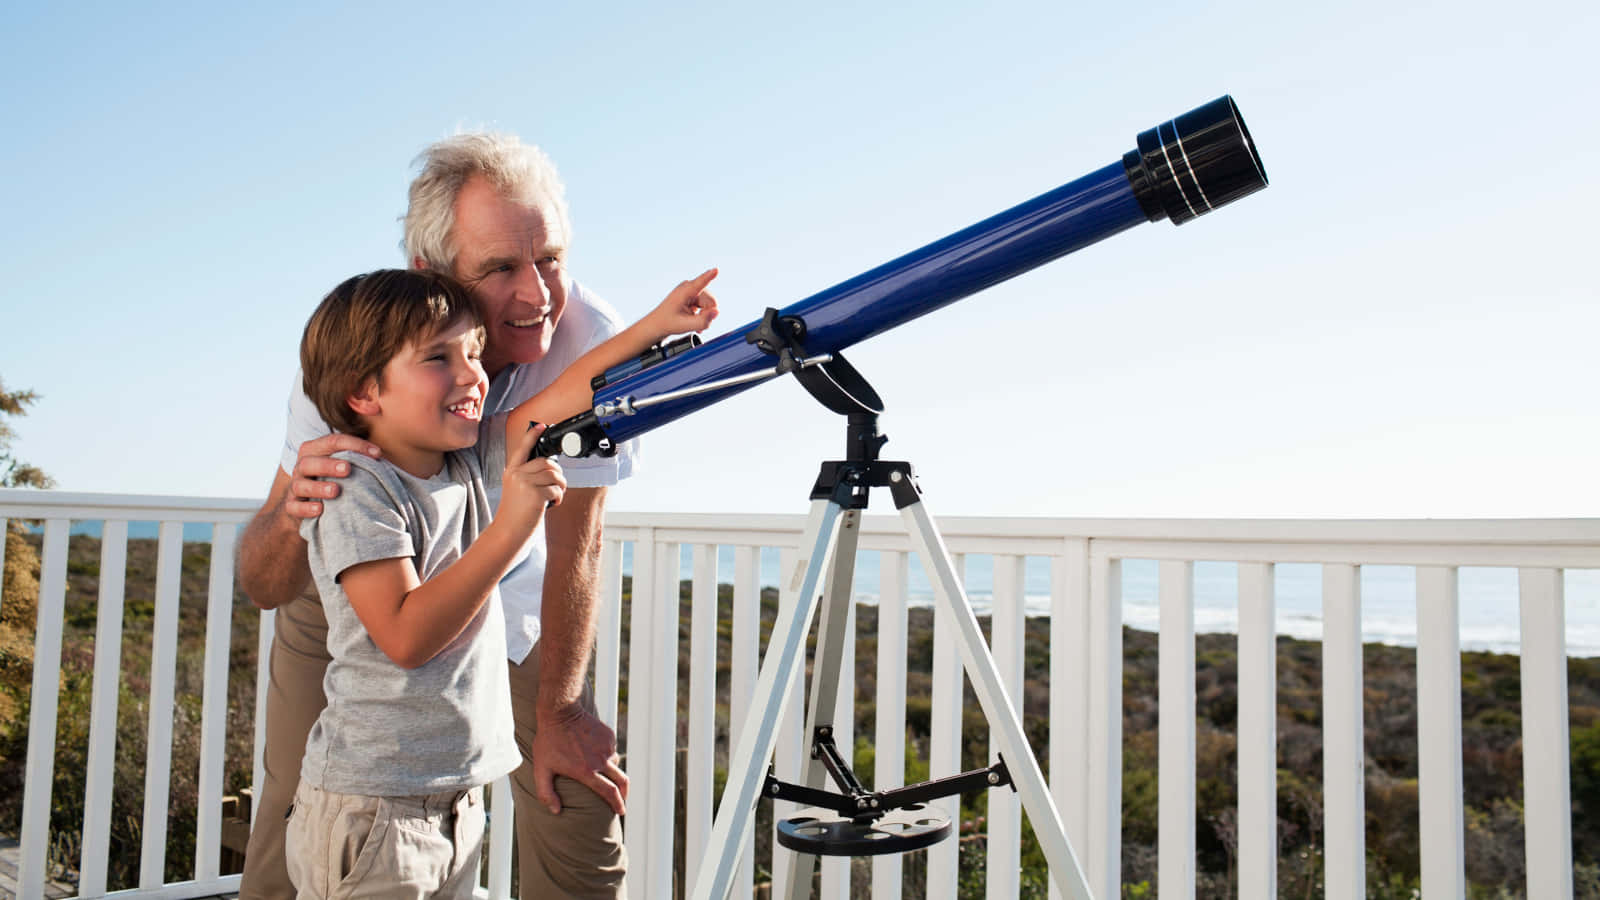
(1181, 169)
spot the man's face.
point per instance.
(513, 257)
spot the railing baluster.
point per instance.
(1175, 732)
(258, 770)
(608, 634)
(1344, 751)
(214, 704)
(40, 773)
(1069, 697)
(702, 708)
(889, 729)
(744, 648)
(1258, 734)
(835, 870)
(1439, 765)
(944, 742)
(100, 779)
(641, 665)
(1546, 764)
(1007, 636)
(662, 712)
(501, 811)
(791, 748)
(163, 682)
(1103, 858)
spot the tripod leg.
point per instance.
(826, 673)
(783, 662)
(997, 707)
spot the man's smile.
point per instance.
(538, 319)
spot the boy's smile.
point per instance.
(429, 399)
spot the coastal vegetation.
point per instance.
(1490, 717)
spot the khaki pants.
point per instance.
(579, 852)
(575, 854)
(351, 846)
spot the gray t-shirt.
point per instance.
(445, 725)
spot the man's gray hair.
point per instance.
(517, 171)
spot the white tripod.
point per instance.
(854, 821)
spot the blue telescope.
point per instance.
(1180, 170)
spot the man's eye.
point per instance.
(548, 261)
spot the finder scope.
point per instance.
(1181, 169)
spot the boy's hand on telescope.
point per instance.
(309, 484)
(689, 307)
(529, 485)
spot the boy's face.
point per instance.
(429, 399)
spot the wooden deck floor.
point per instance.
(10, 852)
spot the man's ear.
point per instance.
(364, 400)
(418, 262)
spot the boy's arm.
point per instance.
(690, 307)
(411, 620)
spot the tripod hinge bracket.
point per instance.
(847, 482)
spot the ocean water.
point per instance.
(1489, 612)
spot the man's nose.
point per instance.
(531, 287)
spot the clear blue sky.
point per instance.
(1403, 324)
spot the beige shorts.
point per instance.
(349, 845)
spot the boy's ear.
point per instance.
(364, 400)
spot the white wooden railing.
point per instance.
(1085, 561)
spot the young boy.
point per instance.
(407, 559)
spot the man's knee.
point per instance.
(577, 852)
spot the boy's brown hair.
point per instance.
(365, 322)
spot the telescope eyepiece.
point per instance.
(1192, 164)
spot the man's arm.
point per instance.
(272, 555)
(569, 740)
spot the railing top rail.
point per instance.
(1030, 534)
(1487, 532)
(20, 503)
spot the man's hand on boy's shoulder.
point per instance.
(316, 470)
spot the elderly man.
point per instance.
(492, 212)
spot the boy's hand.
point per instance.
(690, 307)
(529, 485)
